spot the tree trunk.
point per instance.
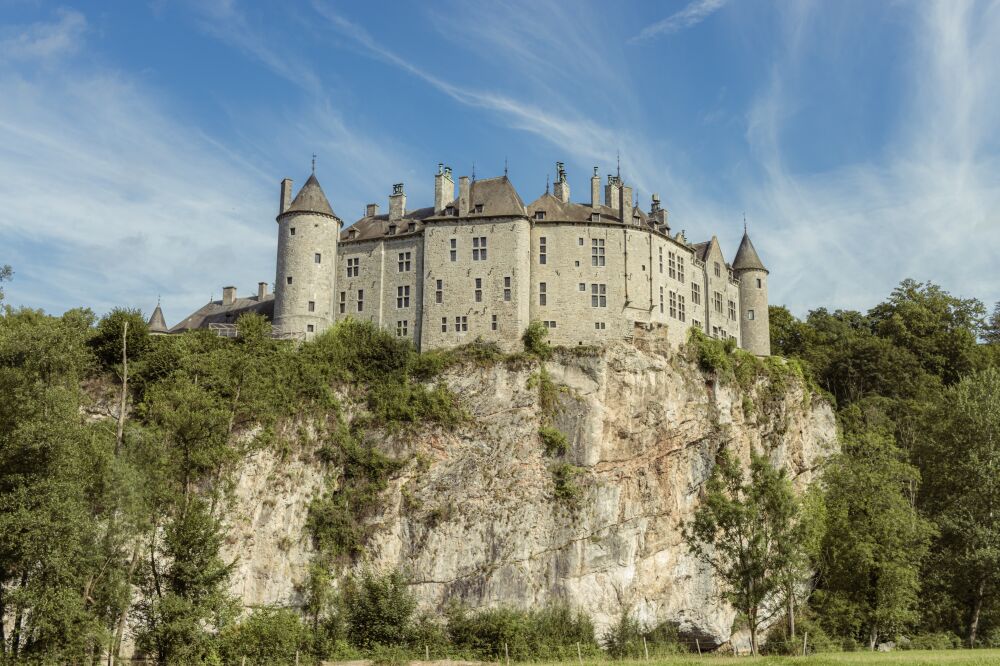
(116, 648)
(15, 634)
(977, 608)
(872, 639)
(791, 614)
(124, 395)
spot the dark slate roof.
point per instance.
(157, 324)
(746, 256)
(377, 226)
(311, 199)
(497, 196)
(701, 250)
(214, 312)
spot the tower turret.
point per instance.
(755, 332)
(308, 231)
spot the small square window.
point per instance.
(317, 258)
(288, 280)
(310, 328)
(750, 315)
(582, 286)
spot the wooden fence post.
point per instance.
(579, 653)
(698, 645)
(805, 637)
(645, 649)
(506, 654)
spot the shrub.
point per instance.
(624, 639)
(267, 636)
(535, 342)
(553, 440)
(549, 633)
(712, 355)
(942, 640)
(564, 477)
(378, 610)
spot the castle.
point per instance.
(484, 265)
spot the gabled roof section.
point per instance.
(311, 199)
(558, 211)
(377, 226)
(215, 312)
(497, 196)
(746, 256)
(157, 324)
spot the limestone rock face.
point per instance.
(475, 514)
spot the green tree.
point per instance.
(962, 491)
(875, 540)
(747, 531)
(991, 331)
(6, 273)
(379, 609)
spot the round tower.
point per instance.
(304, 283)
(755, 331)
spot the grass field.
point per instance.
(898, 658)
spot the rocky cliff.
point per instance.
(484, 514)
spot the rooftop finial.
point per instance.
(546, 183)
(314, 164)
(473, 172)
(744, 221)
(157, 300)
(619, 161)
(505, 166)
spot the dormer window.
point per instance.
(392, 229)
(479, 208)
(450, 211)
(539, 214)
(352, 234)
(412, 226)
(595, 217)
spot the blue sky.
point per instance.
(141, 143)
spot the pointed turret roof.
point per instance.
(157, 324)
(746, 256)
(311, 199)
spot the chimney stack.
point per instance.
(444, 188)
(371, 210)
(228, 295)
(561, 189)
(627, 203)
(464, 192)
(659, 215)
(397, 203)
(286, 195)
(595, 190)
(261, 291)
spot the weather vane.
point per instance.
(314, 164)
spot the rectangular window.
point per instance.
(493, 323)
(579, 241)
(403, 297)
(343, 302)
(680, 268)
(661, 300)
(361, 300)
(759, 283)
(461, 324)
(439, 291)
(681, 313)
(541, 250)
(672, 263)
(312, 306)
(288, 280)
(479, 248)
(479, 290)
(310, 328)
(718, 270)
(661, 259)
(506, 288)
(599, 325)
(598, 295)
(732, 310)
(404, 262)
(597, 252)
(539, 214)
(549, 324)
(696, 293)
(673, 304)
(291, 231)
(718, 302)
(401, 328)
(541, 293)
(453, 254)
(444, 324)
(696, 324)
(582, 286)
(353, 265)
(317, 258)
(750, 315)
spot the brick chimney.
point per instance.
(261, 291)
(286, 195)
(397, 203)
(371, 210)
(595, 190)
(464, 192)
(444, 188)
(561, 189)
(228, 295)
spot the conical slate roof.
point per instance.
(746, 256)
(311, 199)
(157, 324)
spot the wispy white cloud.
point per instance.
(43, 41)
(693, 14)
(928, 209)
